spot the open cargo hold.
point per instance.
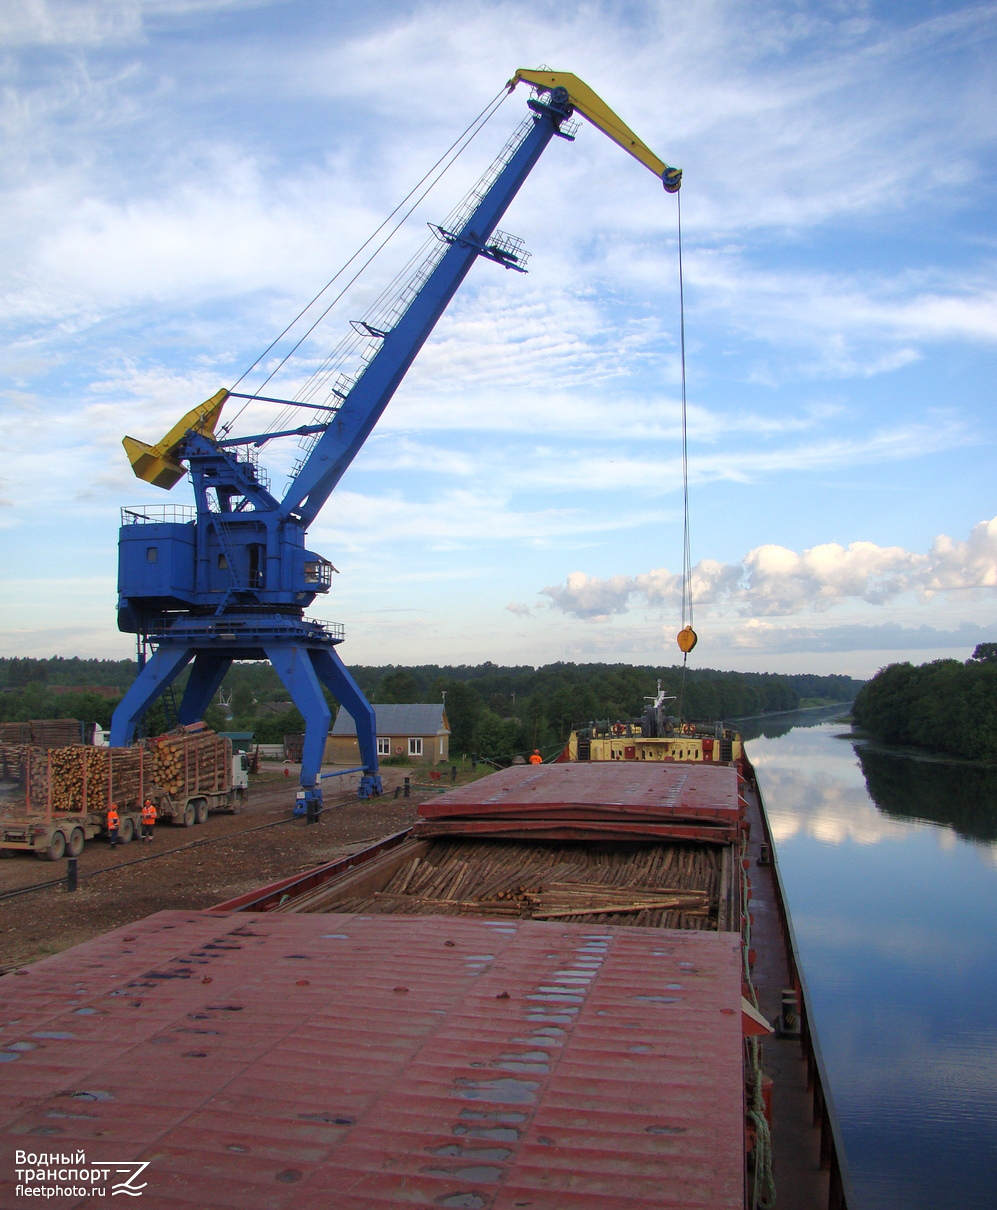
(467, 871)
(659, 885)
(651, 846)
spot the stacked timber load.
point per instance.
(79, 776)
(56, 732)
(28, 768)
(74, 780)
(184, 764)
(43, 732)
(15, 733)
(89, 779)
(659, 885)
(15, 774)
(34, 776)
(12, 761)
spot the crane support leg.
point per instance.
(333, 674)
(158, 674)
(205, 677)
(293, 664)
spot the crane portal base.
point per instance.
(303, 656)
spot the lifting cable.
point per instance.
(456, 148)
(687, 636)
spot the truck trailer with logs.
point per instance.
(48, 732)
(56, 799)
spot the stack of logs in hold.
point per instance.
(662, 885)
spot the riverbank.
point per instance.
(945, 707)
(748, 718)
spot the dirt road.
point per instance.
(120, 885)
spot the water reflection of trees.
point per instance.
(962, 797)
(773, 726)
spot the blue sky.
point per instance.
(181, 176)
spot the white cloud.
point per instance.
(845, 323)
(220, 230)
(455, 518)
(68, 22)
(952, 564)
(765, 636)
(218, 221)
(780, 581)
(775, 581)
(92, 23)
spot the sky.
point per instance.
(180, 177)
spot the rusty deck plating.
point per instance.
(354, 1062)
(609, 800)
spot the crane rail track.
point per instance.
(184, 848)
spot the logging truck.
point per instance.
(53, 801)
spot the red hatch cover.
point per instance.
(581, 798)
(309, 1062)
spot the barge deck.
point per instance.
(445, 1020)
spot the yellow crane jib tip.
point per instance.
(591, 106)
(157, 464)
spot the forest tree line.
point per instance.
(493, 710)
(946, 706)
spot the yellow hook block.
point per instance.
(686, 639)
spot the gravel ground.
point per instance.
(242, 855)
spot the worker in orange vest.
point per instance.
(149, 814)
(113, 822)
(536, 758)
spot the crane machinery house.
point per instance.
(419, 731)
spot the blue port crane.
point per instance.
(231, 578)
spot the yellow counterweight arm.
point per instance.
(593, 107)
(156, 464)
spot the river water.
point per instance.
(890, 866)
